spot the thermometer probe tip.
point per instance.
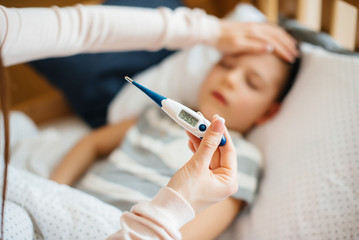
(128, 79)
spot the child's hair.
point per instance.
(289, 82)
(293, 72)
(4, 99)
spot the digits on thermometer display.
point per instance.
(187, 118)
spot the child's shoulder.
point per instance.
(246, 149)
(249, 162)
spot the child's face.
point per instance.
(242, 89)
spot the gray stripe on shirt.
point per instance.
(146, 158)
(109, 172)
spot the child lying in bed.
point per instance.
(246, 90)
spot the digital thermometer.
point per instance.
(184, 116)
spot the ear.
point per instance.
(274, 108)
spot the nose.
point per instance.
(231, 78)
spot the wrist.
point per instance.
(190, 196)
(212, 30)
(176, 206)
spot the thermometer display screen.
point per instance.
(188, 118)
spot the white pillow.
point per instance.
(21, 126)
(310, 181)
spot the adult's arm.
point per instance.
(32, 33)
(159, 219)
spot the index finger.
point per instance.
(285, 41)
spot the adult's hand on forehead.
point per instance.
(211, 174)
(251, 37)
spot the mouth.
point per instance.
(219, 97)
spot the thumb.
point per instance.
(210, 142)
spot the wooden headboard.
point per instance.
(33, 95)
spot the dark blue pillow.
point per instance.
(90, 81)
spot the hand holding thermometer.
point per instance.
(184, 116)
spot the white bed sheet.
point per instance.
(56, 211)
(39, 149)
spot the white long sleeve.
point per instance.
(159, 219)
(33, 33)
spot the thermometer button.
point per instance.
(202, 127)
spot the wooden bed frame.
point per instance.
(33, 95)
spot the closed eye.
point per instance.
(255, 79)
(251, 83)
(225, 64)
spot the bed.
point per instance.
(311, 167)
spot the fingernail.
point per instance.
(217, 124)
(290, 59)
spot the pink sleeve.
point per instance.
(159, 219)
(32, 33)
